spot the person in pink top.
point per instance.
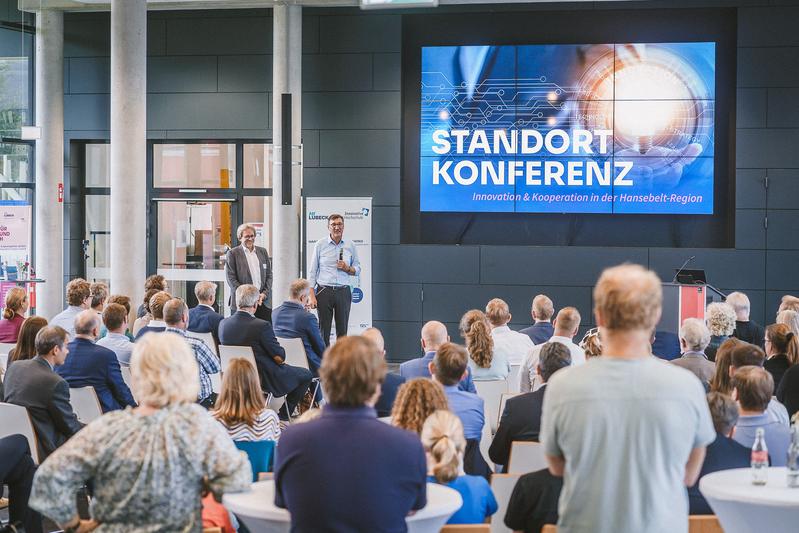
(14, 314)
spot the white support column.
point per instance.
(49, 219)
(128, 147)
(286, 78)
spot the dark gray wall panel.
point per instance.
(375, 33)
(783, 230)
(781, 268)
(386, 225)
(219, 35)
(387, 72)
(357, 110)
(182, 74)
(750, 232)
(218, 134)
(382, 184)
(751, 108)
(783, 188)
(88, 75)
(251, 73)
(87, 111)
(426, 264)
(208, 111)
(783, 107)
(310, 148)
(310, 34)
(749, 190)
(402, 339)
(337, 72)
(761, 148)
(560, 266)
(742, 269)
(375, 148)
(397, 301)
(156, 37)
(768, 67)
(773, 26)
(87, 34)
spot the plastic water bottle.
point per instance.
(759, 460)
(793, 458)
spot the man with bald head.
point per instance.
(392, 382)
(90, 365)
(434, 334)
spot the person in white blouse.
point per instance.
(514, 345)
(566, 325)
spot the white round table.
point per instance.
(742, 507)
(257, 509)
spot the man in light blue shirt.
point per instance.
(115, 318)
(79, 298)
(626, 431)
(434, 334)
(333, 263)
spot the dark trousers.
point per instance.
(330, 302)
(263, 312)
(294, 397)
(16, 471)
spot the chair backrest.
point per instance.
(466, 528)
(259, 453)
(275, 402)
(491, 392)
(295, 352)
(227, 353)
(128, 379)
(14, 420)
(502, 485)
(207, 338)
(6, 347)
(485, 442)
(85, 404)
(526, 457)
(502, 401)
(704, 524)
(513, 378)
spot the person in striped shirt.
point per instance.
(241, 407)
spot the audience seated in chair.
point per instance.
(79, 298)
(168, 448)
(442, 438)
(752, 389)
(13, 314)
(242, 328)
(26, 344)
(156, 324)
(90, 365)
(694, 338)
(417, 399)
(521, 419)
(176, 317)
(513, 345)
(33, 384)
(625, 416)
(115, 318)
(483, 362)
(16, 471)
(567, 324)
(292, 320)
(392, 382)
(155, 283)
(241, 407)
(745, 329)
(541, 310)
(434, 334)
(203, 318)
(723, 453)
(788, 391)
(145, 319)
(99, 292)
(782, 351)
(720, 321)
(746, 354)
(347, 471)
(534, 502)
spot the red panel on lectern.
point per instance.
(692, 302)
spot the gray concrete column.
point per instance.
(128, 147)
(49, 217)
(286, 78)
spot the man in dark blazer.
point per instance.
(33, 384)
(248, 264)
(542, 311)
(391, 383)
(95, 366)
(292, 320)
(521, 419)
(203, 318)
(244, 329)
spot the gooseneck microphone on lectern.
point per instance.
(682, 267)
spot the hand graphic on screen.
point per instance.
(662, 167)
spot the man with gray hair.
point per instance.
(745, 329)
(89, 365)
(243, 329)
(176, 316)
(694, 338)
(248, 264)
(292, 320)
(204, 318)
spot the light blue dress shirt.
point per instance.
(120, 344)
(469, 408)
(323, 269)
(778, 436)
(66, 319)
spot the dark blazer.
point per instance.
(722, 454)
(148, 329)
(32, 384)
(243, 329)
(388, 393)
(788, 391)
(203, 319)
(89, 365)
(237, 272)
(291, 321)
(418, 368)
(751, 332)
(521, 420)
(539, 332)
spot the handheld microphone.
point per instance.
(683, 266)
(341, 255)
